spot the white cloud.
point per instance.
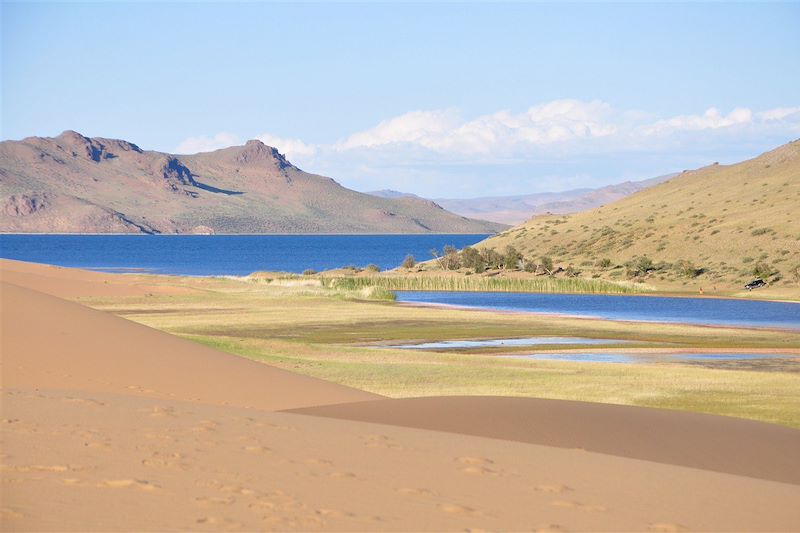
(711, 119)
(549, 146)
(193, 145)
(418, 127)
(291, 148)
(780, 113)
(443, 131)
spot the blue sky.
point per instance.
(439, 99)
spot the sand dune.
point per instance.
(721, 444)
(52, 343)
(74, 282)
(109, 425)
(81, 462)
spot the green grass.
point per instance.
(483, 284)
(324, 333)
(770, 397)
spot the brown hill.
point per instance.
(71, 184)
(720, 223)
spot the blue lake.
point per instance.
(711, 311)
(605, 357)
(224, 254)
(499, 343)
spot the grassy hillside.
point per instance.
(722, 224)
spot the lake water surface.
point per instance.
(711, 311)
(238, 255)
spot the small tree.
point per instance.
(372, 268)
(450, 259)
(471, 258)
(529, 266)
(795, 272)
(511, 258)
(687, 269)
(492, 258)
(409, 262)
(435, 254)
(644, 264)
(547, 264)
(763, 270)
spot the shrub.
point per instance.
(372, 268)
(604, 263)
(491, 258)
(309, 272)
(639, 266)
(472, 258)
(547, 263)
(409, 262)
(687, 269)
(451, 259)
(795, 272)
(763, 270)
(511, 258)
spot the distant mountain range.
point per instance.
(76, 184)
(517, 209)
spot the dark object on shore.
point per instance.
(756, 283)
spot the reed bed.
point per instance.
(482, 284)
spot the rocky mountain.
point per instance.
(76, 184)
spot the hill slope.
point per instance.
(724, 219)
(73, 183)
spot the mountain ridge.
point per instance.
(515, 209)
(77, 184)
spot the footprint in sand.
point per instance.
(236, 489)
(43, 468)
(470, 460)
(9, 513)
(333, 513)
(204, 426)
(257, 449)
(550, 528)
(477, 465)
(453, 508)
(165, 460)
(318, 462)
(569, 504)
(159, 411)
(219, 522)
(665, 527)
(556, 488)
(380, 441)
(230, 500)
(343, 475)
(85, 401)
(139, 484)
(416, 492)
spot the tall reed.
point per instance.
(482, 284)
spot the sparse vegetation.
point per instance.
(480, 283)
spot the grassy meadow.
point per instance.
(333, 333)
